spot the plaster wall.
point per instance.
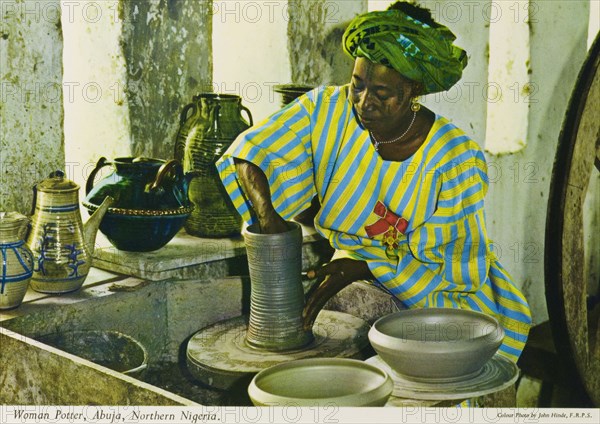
(250, 52)
(465, 103)
(130, 67)
(31, 102)
(261, 44)
(315, 32)
(96, 107)
(518, 196)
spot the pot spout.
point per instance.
(90, 228)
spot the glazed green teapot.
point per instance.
(139, 183)
(151, 201)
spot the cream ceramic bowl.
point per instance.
(321, 382)
(436, 344)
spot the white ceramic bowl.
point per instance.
(436, 343)
(321, 382)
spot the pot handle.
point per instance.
(164, 169)
(184, 113)
(102, 162)
(245, 109)
(180, 144)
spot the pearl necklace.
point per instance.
(377, 142)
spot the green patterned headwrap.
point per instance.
(416, 50)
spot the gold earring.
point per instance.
(415, 106)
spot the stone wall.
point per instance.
(167, 49)
(315, 31)
(118, 100)
(31, 99)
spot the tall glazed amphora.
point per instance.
(17, 260)
(276, 294)
(208, 126)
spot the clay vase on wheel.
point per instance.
(277, 296)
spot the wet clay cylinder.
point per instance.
(276, 296)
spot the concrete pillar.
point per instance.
(168, 54)
(508, 91)
(315, 31)
(95, 77)
(466, 102)
(31, 102)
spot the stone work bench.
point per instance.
(159, 298)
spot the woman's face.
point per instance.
(380, 95)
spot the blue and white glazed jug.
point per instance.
(62, 246)
(17, 260)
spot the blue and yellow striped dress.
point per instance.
(427, 242)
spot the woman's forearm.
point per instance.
(256, 188)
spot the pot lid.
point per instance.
(138, 160)
(11, 217)
(57, 182)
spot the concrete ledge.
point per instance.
(184, 257)
(38, 374)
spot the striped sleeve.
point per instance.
(280, 147)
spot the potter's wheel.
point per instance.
(219, 356)
(497, 374)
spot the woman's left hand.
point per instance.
(333, 277)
